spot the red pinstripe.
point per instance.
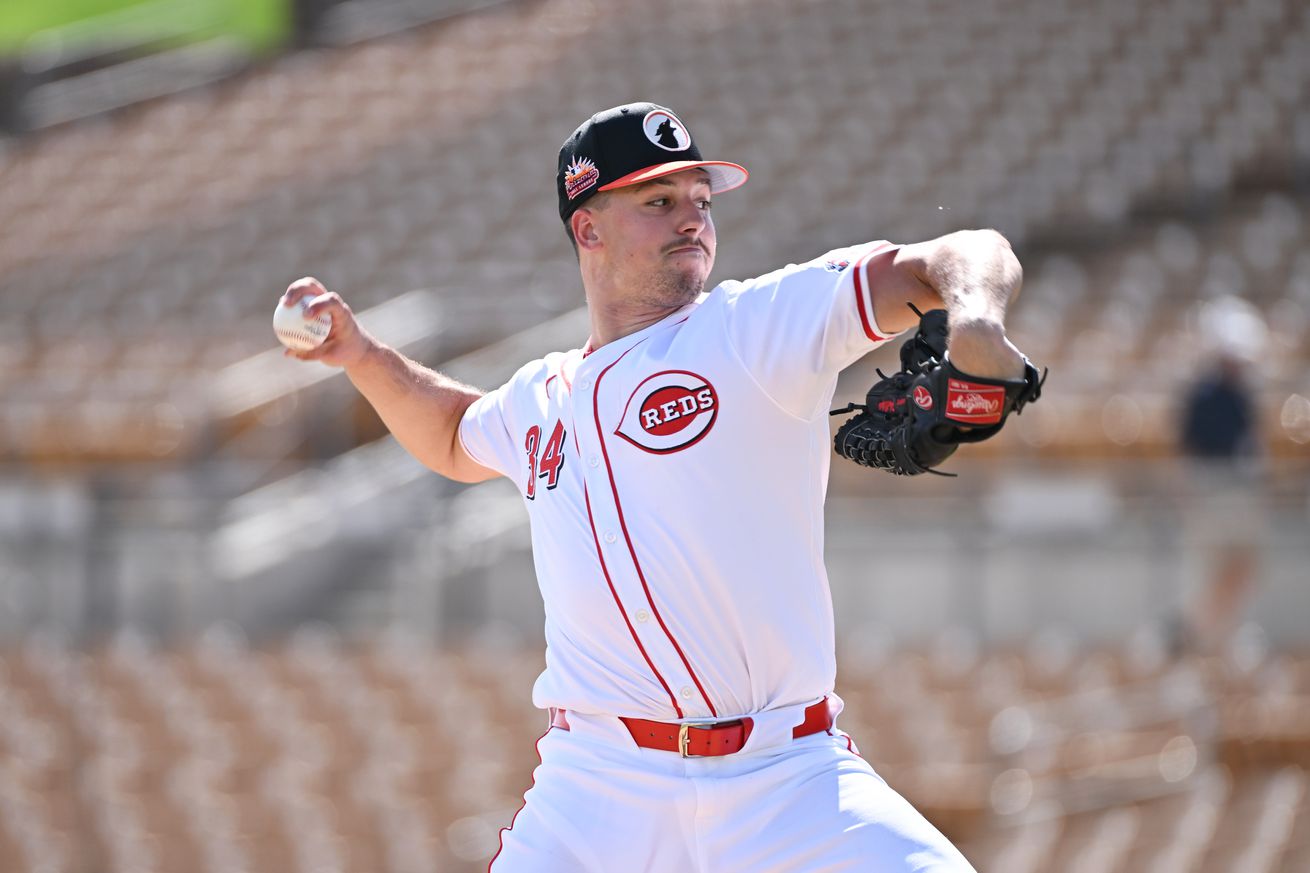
(595, 408)
(619, 603)
(866, 317)
(850, 746)
(514, 818)
(586, 496)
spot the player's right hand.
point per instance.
(347, 342)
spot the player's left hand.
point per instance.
(916, 418)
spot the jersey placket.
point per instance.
(596, 390)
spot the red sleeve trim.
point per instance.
(863, 298)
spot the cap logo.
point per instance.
(665, 130)
(579, 176)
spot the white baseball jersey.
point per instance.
(675, 481)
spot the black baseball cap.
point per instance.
(631, 144)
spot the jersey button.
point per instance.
(609, 536)
(686, 691)
(643, 615)
(584, 384)
(594, 461)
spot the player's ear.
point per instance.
(585, 230)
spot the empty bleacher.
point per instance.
(1145, 159)
(1082, 130)
(318, 753)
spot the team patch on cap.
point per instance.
(669, 411)
(665, 130)
(579, 176)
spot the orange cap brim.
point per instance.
(724, 176)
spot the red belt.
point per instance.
(706, 739)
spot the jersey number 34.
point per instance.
(552, 459)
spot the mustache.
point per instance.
(684, 243)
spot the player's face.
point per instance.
(659, 237)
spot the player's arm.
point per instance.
(973, 275)
(421, 408)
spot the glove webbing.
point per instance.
(867, 442)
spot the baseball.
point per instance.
(297, 331)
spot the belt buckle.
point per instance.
(684, 738)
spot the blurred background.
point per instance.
(241, 631)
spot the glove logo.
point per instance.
(971, 403)
(922, 397)
(669, 411)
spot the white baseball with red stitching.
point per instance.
(297, 331)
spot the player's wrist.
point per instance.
(364, 353)
(981, 348)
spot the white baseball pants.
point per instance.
(600, 804)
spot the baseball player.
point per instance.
(674, 469)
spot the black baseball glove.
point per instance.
(916, 418)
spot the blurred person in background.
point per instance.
(1221, 489)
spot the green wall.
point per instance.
(262, 24)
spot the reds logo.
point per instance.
(971, 403)
(669, 411)
(922, 397)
